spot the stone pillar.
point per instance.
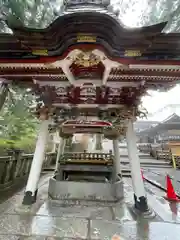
(54, 147)
(60, 152)
(54, 141)
(36, 166)
(68, 145)
(116, 163)
(137, 181)
(98, 141)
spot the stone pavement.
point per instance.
(64, 220)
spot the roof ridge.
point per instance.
(171, 116)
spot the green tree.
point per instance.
(17, 123)
(136, 13)
(31, 13)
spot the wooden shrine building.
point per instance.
(163, 132)
(88, 64)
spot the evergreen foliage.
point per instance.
(18, 125)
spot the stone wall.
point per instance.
(15, 168)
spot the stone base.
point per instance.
(29, 199)
(74, 190)
(140, 203)
(149, 214)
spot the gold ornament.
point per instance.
(87, 59)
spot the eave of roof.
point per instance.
(116, 39)
(164, 125)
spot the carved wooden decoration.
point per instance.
(86, 59)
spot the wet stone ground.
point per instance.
(67, 220)
(159, 177)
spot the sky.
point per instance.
(133, 13)
(158, 100)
